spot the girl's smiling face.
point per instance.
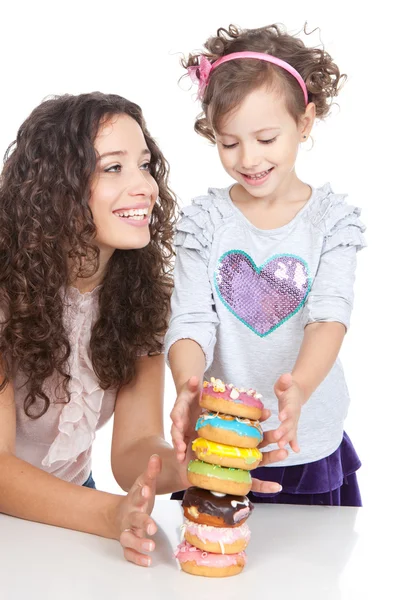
(258, 142)
(123, 192)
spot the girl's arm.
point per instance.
(138, 429)
(30, 493)
(318, 352)
(327, 316)
(187, 363)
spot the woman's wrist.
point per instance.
(112, 516)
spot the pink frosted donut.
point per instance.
(223, 540)
(220, 397)
(198, 562)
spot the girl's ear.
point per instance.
(307, 121)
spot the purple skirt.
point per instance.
(330, 481)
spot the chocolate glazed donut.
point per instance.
(206, 508)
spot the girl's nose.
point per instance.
(250, 158)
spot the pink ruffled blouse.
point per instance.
(60, 442)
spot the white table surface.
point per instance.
(296, 553)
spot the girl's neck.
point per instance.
(275, 210)
(292, 191)
(88, 284)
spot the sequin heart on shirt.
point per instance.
(262, 298)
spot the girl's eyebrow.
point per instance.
(144, 152)
(224, 133)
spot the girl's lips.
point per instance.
(259, 181)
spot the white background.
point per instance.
(133, 49)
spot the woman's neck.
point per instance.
(88, 284)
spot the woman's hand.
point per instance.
(133, 516)
(184, 415)
(291, 399)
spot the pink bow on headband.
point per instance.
(200, 75)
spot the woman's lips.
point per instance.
(144, 222)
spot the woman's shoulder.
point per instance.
(336, 218)
(202, 218)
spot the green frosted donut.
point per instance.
(202, 468)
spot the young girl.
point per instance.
(86, 221)
(265, 268)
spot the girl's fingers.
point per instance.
(265, 414)
(193, 384)
(177, 438)
(180, 413)
(268, 438)
(294, 445)
(284, 382)
(265, 487)
(273, 456)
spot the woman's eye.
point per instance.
(227, 146)
(145, 166)
(267, 141)
(113, 169)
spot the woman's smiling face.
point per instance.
(123, 192)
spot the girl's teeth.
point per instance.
(259, 176)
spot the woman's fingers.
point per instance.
(140, 526)
(137, 558)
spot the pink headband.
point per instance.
(201, 73)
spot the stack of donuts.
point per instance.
(216, 507)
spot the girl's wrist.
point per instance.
(305, 389)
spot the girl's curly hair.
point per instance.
(230, 83)
(46, 225)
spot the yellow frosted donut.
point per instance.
(226, 456)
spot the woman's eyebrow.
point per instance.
(144, 152)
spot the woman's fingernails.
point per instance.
(277, 488)
(145, 561)
(148, 546)
(144, 491)
(151, 529)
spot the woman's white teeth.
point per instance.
(137, 214)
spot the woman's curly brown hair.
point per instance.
(230, 83)
(46, 225)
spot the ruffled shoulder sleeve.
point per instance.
(200, 220)
(338, 220)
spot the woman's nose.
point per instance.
(139, 185)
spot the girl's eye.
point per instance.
(146, 166)
(267, 141)
(113, 169)
(227, 146)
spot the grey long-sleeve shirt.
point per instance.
(246, 294)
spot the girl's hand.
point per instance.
(133, 520)
(291, 398)
(184, 415)
(272, 456)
